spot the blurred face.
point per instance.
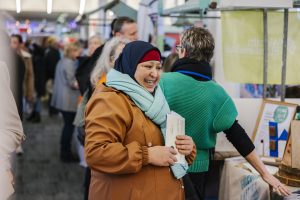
(75, 53)
(129, 31)
(147, 74)
(14, 43)
(116, 55)
(94, 43)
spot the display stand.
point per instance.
(289, 170)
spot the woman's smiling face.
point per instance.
(148, 73)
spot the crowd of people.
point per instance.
(115, 98)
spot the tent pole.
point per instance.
(265, 75)
(284, 52)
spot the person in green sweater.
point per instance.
(207, 109)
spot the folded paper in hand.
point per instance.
(175, 126)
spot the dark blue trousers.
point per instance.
(67, 133)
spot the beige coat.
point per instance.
(117, 138)
(29, 76)
(11, 131)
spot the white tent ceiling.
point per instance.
(38, 8)
(71, 6)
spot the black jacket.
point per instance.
(51, 58)
(85, 68)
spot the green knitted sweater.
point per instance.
(207, 110)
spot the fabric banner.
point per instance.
(242, 41)
(238, 183)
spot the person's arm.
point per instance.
(255, 161)
(234, 134)
(69, 70)
(107, 118)
(226, 117)
(11, 130)
(237, 135)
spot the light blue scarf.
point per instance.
(155, 107)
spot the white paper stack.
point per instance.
(175, 126)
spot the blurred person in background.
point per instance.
(24, 72)
(65, 97)
(121, 26)
(39, 69)
(94, 42)
(125, 27)
(25, 77)
(110, 53)
(17, 71)
(83, 70)
(51, 58)
(90, 46)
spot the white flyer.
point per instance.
(175, 126)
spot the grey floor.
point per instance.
(40, 175)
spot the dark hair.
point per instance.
(112, 27)
(19, 37)
(169, 61)
(119, 22)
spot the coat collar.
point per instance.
(199, 70)
(104, 88)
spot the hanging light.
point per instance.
(110, 13)
(81, 7)
(18, 6)
(49, 6)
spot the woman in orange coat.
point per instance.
(125, 122)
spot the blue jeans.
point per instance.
(67, 133)
(38, 105)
